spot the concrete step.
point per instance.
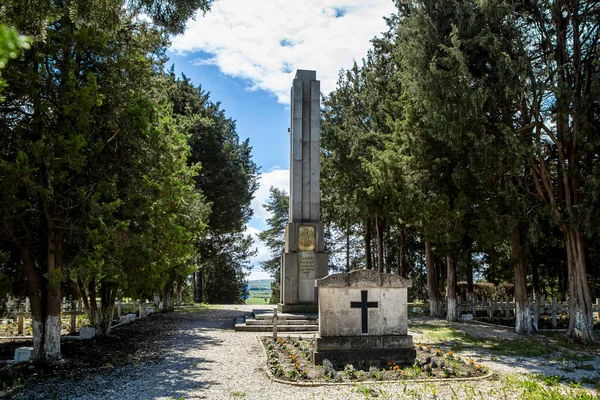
(261, 320)
(280, 328)
(268, 314)
(281, 322)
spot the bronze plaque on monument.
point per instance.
(306, 238)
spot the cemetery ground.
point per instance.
(194, 353)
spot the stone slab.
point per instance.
(23, 354)
(261, 320)
(364, 278)
(364, 342)
(340, 357)
(338, 318)
(280, 328)
(297, 308)
(87, 332)
(268, 315)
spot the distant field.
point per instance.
(257, 296)
(254, 301)
(260, 284)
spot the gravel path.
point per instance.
(206, 359)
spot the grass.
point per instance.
(201, 308)
(460, 341)
(509, 387)
(254, 301)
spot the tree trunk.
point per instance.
(51, 353)
(537, 291)
(368, 244)
(199, 288)
(435, 300)
(379, 226)
(167, 299)
(581, 319)
(452, 314)
(470, 288)
(194, 288)
(143, 309)
(107, 307)
(347, 247)
(179, 292)
(439, 267)
(522, 307)
(402, 256)
(100, 317)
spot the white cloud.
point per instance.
(258, 274)
(263, 253)
(279, 178)
(265, 41)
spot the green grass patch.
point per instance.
(256, 301)
(460, 341)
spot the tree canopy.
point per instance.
(472, 127)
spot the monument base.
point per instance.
(368, 349)
(298, 308)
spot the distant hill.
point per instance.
(260, 284)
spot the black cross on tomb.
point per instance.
(364, 305)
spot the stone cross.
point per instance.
(364, 305)
(304, 258)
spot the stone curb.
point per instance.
(316, 384)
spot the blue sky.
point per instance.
(245, 53)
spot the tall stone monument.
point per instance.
(304, 259)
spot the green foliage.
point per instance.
(227, 179)
(450, 129)
(97, 191)
(11, 43)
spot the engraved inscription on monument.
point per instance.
(306, 262)
(306, 238)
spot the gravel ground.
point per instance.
(202, 357)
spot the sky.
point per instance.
(246, 53)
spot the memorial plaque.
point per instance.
(306, 238)
(306, 263)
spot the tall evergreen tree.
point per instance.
(68, 106)
(278, 205)
(228, 180)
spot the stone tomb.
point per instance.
(363, 317)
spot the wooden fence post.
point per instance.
(73, 318)
(20, 321)
(536, 315)
(119, 309)
(554, 321)
(507, 307)
(275, 324)
(473, 306)
(490, 310)
(543, 303)
(598, 309)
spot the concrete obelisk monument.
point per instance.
(304, 259)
